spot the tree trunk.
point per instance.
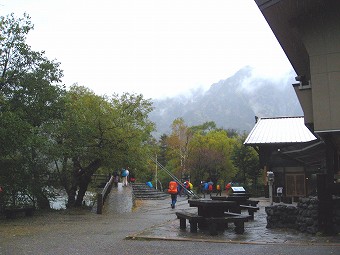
(83, 185)
(70, 186)
(71, 196)
(82, 178)
(77, 172)
(43, 202)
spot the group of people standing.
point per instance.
(125, 176)
(206, 188)
(209, 188)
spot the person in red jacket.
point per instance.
(227, 188)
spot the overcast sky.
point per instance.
(158, 48)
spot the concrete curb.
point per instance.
(154, 238)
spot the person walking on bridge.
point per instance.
(115, 178)
(125, 175)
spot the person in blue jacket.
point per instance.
(125, 175)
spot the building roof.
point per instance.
(280, 130)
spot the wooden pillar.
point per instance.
(325, 182)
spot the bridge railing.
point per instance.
(189, 192)
(101, 196)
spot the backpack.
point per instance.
(172, 187)
(124, 173)
(149, 184)
(190, 185)
(206, 185)
(210, 187)
(218, 187)
(186, 185)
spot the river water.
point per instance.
(60, 201)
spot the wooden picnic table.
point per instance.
(240, 194)
(211, 214)
(239, 199)
(243, 203)
(212, 208)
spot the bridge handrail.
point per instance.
(102, 195)
(190, 192)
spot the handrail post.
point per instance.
(99, 203)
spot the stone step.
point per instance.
(144, 192)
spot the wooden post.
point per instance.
(325, 183)
(328, 182)
(99, 203)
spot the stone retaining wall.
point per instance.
(307, 215)
(336, 218)
(281, 216)
(303, 217)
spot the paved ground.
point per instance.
(255, 230)
(150, 227)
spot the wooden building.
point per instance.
(309, 33)
(291, 151)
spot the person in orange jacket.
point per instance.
(173, 191)
(218, 190)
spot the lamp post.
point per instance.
(156, 172)
(270, 177)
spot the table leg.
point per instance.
(193, 226)
(239, 227)
(213, 229)
(182, 223)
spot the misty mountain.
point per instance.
(232, 103)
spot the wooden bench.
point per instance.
(251, 209)
(237, 219)
(193, 218)
(10, 212)
(252, 202)
(231, 214)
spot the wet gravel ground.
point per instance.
(149, 227)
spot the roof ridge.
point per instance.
(282, 117)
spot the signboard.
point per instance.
(238, 189)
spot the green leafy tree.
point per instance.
(210, 156)
(163, 150)
(99, 132)
(204, 128)
(178, 144)
(245, 158)
(31, 101)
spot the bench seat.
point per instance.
(231, 214)
(251, 209)
(10, 212)
(252, 202)
(193, 219)
(237, 219)
(213, 223)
